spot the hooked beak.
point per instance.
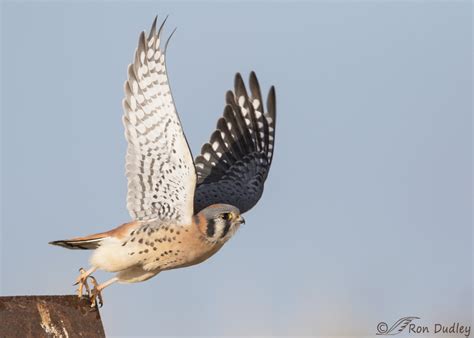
(241, 220)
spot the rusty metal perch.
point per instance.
(49, 316)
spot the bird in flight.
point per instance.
(183, 211)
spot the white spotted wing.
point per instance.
(234, 165)
(159, 165)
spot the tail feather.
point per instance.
(79, 243)
(93, 241)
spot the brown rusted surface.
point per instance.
(48, 316)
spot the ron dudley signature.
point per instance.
(409, 325)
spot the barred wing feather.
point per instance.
(159, 166)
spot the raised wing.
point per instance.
(159, 166)
(233, 166)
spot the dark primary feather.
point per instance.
(233, 166)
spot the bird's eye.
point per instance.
(227, 216)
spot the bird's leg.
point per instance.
(96, 298)
(82, 281)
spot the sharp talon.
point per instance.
(82, 282)
(87, 289)
(93, 280)
(96, 297)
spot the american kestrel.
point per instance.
(184, 211)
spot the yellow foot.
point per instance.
(82, 281)
(96, 294)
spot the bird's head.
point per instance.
(219, 222)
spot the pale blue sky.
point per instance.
(366, 216)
